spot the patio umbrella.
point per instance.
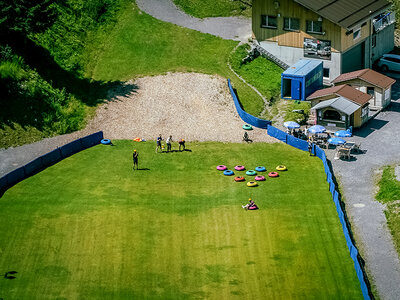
(316, 129)
(336, 141)
(343, 133)
(291, 125)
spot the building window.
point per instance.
(314, 26)
(291, 24)
(370, 91)
(269, 21)
(364, 112)
(373, 41)
(331, 115)
(357, 34)
(326, 72)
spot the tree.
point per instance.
(26, 16)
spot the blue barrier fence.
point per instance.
(302, 145)
(249, 119)
(48, 159)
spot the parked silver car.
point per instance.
(389, 62)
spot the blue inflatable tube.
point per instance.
(260, 169)
(228, 173)
(105, 141)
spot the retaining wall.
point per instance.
(48, 159)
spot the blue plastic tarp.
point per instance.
(246, 117)
(51, 157)
(34, 166)
(92, 140)
(3, 183)
(15, 176)
(71, 148)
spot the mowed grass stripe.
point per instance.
(90, 227)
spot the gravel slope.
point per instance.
(192, 106)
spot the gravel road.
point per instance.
(230, 28)
(358, 178)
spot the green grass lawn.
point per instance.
(214, 8)
(91, 228)
(389, 193)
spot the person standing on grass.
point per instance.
(310, 147)
(135, 158)
(169, 140)
(159, 139)
(181, 144)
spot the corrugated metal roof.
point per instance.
(369, 76)
(341, 104)
(342, 90)
(345, 13)
(302, 67)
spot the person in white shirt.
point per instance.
(169, 140)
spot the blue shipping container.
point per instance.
(302, 79)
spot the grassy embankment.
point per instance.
(89, 227)
(266, 77)
(83, 61)
(389, 193)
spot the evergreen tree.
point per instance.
(26, 16)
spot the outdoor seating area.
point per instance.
(320, 136)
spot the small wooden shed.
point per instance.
(340, 107)
(370, 82)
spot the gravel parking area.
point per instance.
(381, 143)
(192, 106)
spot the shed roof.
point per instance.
(369, 76)
(302, 67)
(344, 90)
(345, 13)
(340, 103)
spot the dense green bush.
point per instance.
(76, 20)
(29, 100)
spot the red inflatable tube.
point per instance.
(273, 174)
(239, 178)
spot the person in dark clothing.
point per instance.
(159, 139)
(310, 147)
(181, 144)
(246, 138)
(135, 158)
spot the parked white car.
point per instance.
(389, 62)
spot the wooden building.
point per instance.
(371, 82)
(340, 107)
(345, 35)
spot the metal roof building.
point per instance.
(345, 13)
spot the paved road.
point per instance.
(229, 28)
(381, 141)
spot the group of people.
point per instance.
(169, 141)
